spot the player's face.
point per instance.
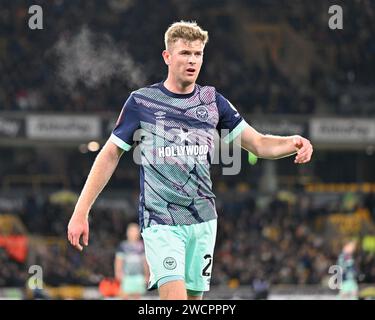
(185, 60)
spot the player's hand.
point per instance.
(78, 226)
(304, 149)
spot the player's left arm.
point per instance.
(275, 147)
(263, 146)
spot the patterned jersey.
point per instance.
(132, 253)
(174, 135)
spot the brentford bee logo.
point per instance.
(202, 113)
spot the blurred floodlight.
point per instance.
(93, 146)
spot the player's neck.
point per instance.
(176, 87)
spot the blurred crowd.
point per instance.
(265, 56)
(281, 242)
(274, 239)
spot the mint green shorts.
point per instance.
(349, 290)
(184, 251)
(134, 284)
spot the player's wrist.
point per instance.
(293, 141)
(81, 214)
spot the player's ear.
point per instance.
(166, 56)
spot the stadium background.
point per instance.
(280, 225)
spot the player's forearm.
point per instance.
(275, 147)
(100, 173)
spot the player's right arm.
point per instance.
(100, 173)
(105, 164)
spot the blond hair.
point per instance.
(185, 30)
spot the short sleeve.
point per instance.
(230, 123)
(127, 123)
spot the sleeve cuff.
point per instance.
(118, 142)
(235, 132)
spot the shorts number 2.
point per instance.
(204, 271)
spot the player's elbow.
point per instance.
(263, 149)
(257, 146)
(251, 140)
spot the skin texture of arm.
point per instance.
(100, 173)
(275, 147)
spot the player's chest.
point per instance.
(196, 117)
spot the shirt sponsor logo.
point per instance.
(198, 151)
(179, 151)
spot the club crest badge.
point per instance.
(201, 114)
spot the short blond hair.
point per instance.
(185, 30)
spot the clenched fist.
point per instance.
(304, 149)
